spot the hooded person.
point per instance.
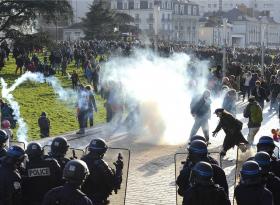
(253, 111)
(44, 125)
(232, 128)
(201, 111)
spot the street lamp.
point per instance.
(156, 23)
(225, 44)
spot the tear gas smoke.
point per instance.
(161, 90)
(66, 95)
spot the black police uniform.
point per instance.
(60, 159)
(3, 152)
(253, 195)
(206, 195)
(275, 166)
(183, 179)
(41, 176)
(272, 183)
(10, 185)
(66, 195)
(100, 183)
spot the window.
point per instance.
(168, 16)
(125, 5)
(166, 5)
(119, 5)
(215, 5)
(150, 5)
(137, 25)
(181, 9)
(176, 9)
(195, 12)
(209, 6)
(131, 5)
(168, 27)
(151, 16)
(136, 16)
(151, 26)
(163, 17)
(137, 6)
(143, 4)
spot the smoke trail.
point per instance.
(66, 95)
(160, 87)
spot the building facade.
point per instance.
(177, 20)
(271, 6)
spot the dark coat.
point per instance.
(66, 195)
(232, 127)
(252, 195)
(206, 195)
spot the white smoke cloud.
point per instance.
(161, 88)
(66, 95)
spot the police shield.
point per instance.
(111, 157)
(70, 154)
(242, 157)
(20, 144)
(180, 159)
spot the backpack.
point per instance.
(256, 114)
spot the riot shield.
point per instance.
(71, 153)
(111, 157)
(21, 144)
(179, 159)
(242, 157)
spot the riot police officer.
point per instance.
(266, 144)
(203, 191)
(199, 137)
(3, 139)
(59, 147)
(102, 179)
(198, 152)
(10, 179)
(271, 182)
(41, 175)
(75, 172)
(251, 190)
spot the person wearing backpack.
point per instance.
(253, 111)
(232, 128)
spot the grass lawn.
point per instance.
(34, 98)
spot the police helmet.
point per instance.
(16, 153)
(266, 143)
(59, 146)
(263, 159)
(98, 146)
(198, 147)
(34, 149)
(75, 171)
(202, 173)
(3, 137)
(250, 172)
(197, 137)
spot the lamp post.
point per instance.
(224, 45)
(263, 30)
(156, 23)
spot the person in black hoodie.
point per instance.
(44, 124)
(260, 94)
(201, 111)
